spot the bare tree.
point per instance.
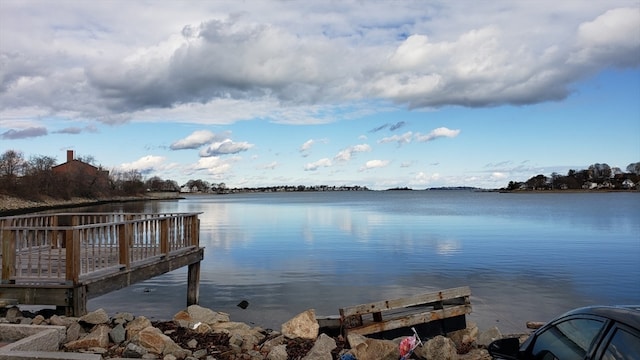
(12, 166)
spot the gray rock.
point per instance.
(14, 315)
(124, 316)
(74, 331)
(99, 337)
(207, 316)
(192, 343)
(118, 334)
(486, 337)
(200, 354)
(268, 345)
(321, 350)
(62, 320)
(134, 351)
(278, 352)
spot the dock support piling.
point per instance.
(193, 284)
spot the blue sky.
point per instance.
(378, 94)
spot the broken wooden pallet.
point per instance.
(387, 315)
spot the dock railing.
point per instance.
(68, 247)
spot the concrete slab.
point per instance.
(36, 342)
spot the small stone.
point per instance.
(38, 320)
(134, 351)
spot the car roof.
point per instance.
(626, 314)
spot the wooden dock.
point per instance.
(65, 259)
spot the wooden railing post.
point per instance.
(164, 236)
(195, 231)
(72, 239)
(8, 248)
(124, 243)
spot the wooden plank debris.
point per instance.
(393, 314)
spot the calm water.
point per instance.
(525, 256)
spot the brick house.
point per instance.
(76, 169)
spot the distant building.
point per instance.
(77, 169)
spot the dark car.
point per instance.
(595, 332)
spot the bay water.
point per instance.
(526, 257)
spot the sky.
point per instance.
(379, 94)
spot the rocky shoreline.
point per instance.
(198, 333)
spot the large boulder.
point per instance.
(303, 325)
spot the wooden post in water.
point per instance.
(193, 284)
(193, 275)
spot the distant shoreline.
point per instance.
(11, 205)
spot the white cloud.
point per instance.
(400, 139)
(613, 37)
(346, 154)
(423, 178)
(225, 147)
(194, 140)
(300, 63)
(307, 145)
(313, 166)
(213, 165)
(270, 166)
(499, 176)
(437, 133)
(144, 164)
(374, 164)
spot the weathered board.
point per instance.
(393, 314)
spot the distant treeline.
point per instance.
(597, 176)
(41, 176)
